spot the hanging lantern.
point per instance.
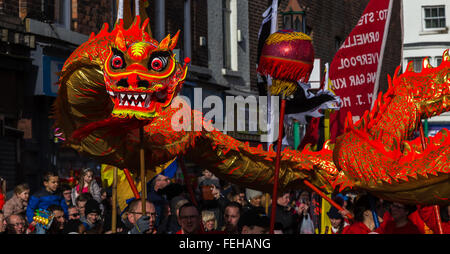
(287, 57)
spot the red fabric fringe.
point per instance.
(284, 69)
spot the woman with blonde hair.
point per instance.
(19, 202)
(209, 220)
(86, 184)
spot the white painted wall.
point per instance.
(414, 32)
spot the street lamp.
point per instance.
(294, 20)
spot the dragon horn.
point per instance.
(174, 40)
(144, 27)
(426, 63)
(164, 44)
(410, 67)
(120, 41)
(445, 56)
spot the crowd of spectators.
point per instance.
(212, 207)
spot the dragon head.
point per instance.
(142, 76)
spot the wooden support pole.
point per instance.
(267, 203)
(277, 165)
(142, 169)
(114, 202)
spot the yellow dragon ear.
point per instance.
(164, 44)
(120, 41)
(446, 56)
(169, 43)
(174, 40)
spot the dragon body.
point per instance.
(121, 81)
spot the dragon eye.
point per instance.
(158, 63)
(117, 62)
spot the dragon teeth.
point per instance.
(129, 96)
(126, 103)
(147, 101)
(111, 93)
(132, 104)
(136, 96)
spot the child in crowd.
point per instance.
(19, 202)
(46, 197)
(67, 194)
(93, 212)
(86, 184)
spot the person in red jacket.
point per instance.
(399, 223)
(363, 222)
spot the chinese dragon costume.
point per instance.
(123, 80)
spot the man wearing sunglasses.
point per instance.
(73, 213)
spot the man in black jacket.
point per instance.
(284, 214)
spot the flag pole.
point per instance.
(277, 164)
(142, 170)
(380, 60)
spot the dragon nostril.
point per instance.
(123, 82)
(143, 83)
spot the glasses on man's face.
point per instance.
(74, 214)
(154, 215)
(187, 217)
(67, 193)
(20, 224)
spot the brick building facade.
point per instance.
(37, 37)
(174, 22)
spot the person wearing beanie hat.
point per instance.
(254, 222)
(92, 211)
(254, 200)
(252, 194)
(337, 221)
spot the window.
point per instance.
(293, 21)
(417, 63)
(434, 17)
(438, 60)
(58, 12)
(230, 34)
(63, 12)
(337, 43)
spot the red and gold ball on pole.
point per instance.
(287, 57)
